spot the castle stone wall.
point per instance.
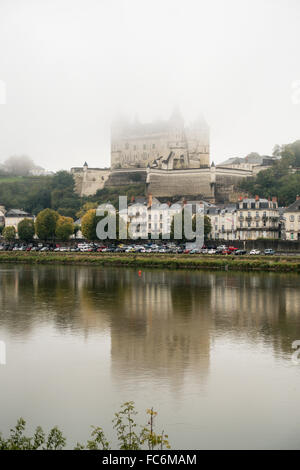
(89, 180)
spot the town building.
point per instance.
(257, 218)
(147, 217)
(223, 222)
(14, 216)
(292, 220)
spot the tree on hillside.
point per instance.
(281, 180)
(19, 165)
(45, 224)
(86, 207)
(9, 233)
(64, 228)
(26, 229)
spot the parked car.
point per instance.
(254, 252)
(269, 251)
(240, 252)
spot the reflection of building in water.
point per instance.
(163, 328)
(259, 306)
(159, 323)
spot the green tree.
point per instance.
(26, 229)
(88, 224)
(86, 207)
(90, 220)
(207, 226)
(9, 233)
(45, 224)
(64, 228)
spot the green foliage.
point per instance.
(131, 436)
(9, 233)
(126, 427)
(35, 193)
(45, 224)
(90, 220)
(111, 194)
(18, 441)
(207, 226)
(64, 228)
(26, 229)
(88, 225)
(281, 180)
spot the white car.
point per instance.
(254, 252)
(211, 251)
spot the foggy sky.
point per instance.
(70, 65)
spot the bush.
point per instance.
(130, 435)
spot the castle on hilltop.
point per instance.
(160, 144)
(171, 160)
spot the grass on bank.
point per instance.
(247, 263)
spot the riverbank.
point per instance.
(168, 261)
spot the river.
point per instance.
(210, 351)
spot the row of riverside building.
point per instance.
(253, 218)
(248, 219)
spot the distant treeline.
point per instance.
(35, 193)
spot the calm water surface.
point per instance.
(210, 351)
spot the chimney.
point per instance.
(132, 198)
(149, 200)
(297, 197)
(274, 199)
(257, 198)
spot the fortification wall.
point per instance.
(180, 182)
(127, 176)
(88, 181)
(227, 180)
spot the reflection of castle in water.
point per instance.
(163, 327)
(161, 322)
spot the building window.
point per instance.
(144, 146)
(153, 146)
(292, 218)
(126, 146)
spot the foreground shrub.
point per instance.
(130, 435)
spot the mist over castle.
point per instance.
(168, 144)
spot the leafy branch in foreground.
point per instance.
(130, 435)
